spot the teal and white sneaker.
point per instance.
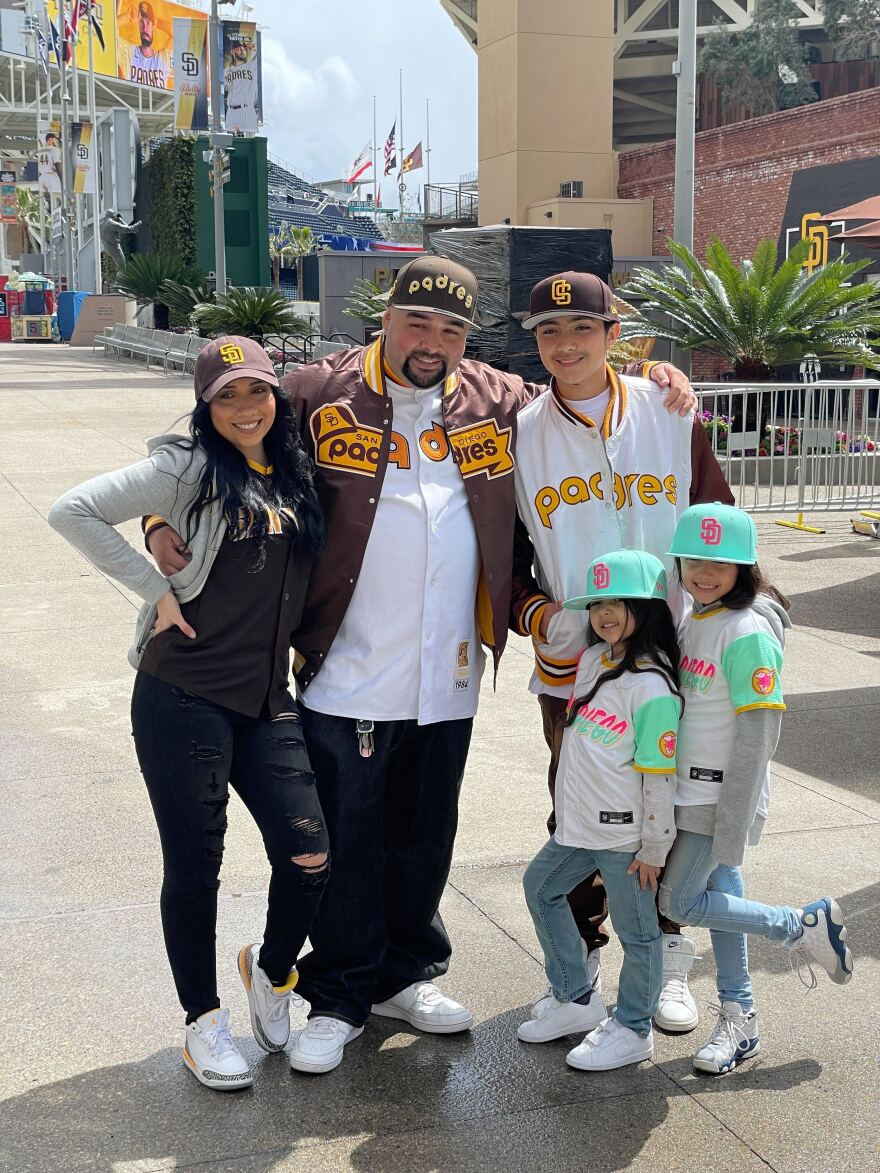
(822, 940)
(734, 1038)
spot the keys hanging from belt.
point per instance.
(365, 738)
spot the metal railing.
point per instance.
(450, 203)
(796, 447)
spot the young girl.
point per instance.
(211, 704)
(731, 644)
(615, 794)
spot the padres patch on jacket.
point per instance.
(342, 443)
(482, 448)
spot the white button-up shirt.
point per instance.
(408, 647)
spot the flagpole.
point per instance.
(66, 241)
(402, 153)
(428, 137)
(96, 148)
(32, 21)
(375, 213)
(77, 198)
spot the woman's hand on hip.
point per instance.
(170, 615)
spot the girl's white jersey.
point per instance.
(584, 488)
(731, 662)
(628, 729)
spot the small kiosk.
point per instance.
(30, 301)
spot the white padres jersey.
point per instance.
(731, 662)
(48, 159)
(408, 647)
(148, 71)
(629, 728)
(584, 488)
(240, 87)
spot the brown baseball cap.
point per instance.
(569, 295)
(436, 285)
(145, 9)
(225, 359)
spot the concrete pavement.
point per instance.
(91, 1031)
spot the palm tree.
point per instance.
(759, 315)
(251, 312)
(28, 211)
(367, 301)
(182, 298)
(144, 276)
(280, 245)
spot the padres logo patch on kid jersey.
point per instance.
(585, 486)
(629, 728)
(731, 662)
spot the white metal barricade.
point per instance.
(796, 447)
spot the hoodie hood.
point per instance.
(164, 441)
(776, 616)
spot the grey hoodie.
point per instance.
(733, 822)
(166, 483)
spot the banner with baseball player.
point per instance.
(144, 39)
(49, 165)
(82, 154)
(242, 77)
(101, 15)
(190, 74)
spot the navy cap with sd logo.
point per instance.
(570, 295)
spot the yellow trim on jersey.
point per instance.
(152, 522)
(670, 769)
(265, 470)
(709, 614)
(376, 369)
(606, 663)
(760, 705)
(485, 615)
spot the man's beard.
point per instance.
(424, 380)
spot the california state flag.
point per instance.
(361, 165)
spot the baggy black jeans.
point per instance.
(392, 819)
(190, 751)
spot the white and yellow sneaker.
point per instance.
(212, 1056)
(269, 1005)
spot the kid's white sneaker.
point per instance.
(269, 1005)
(677, 1010)
(212, 1056)
(610, 1046)
(734, 1038)
(554, 1020)
(822, 940)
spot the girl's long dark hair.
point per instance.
(750, 582)
(653, 639)
(242, 492)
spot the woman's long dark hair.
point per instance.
(750, 582)
(653, 639)
(242, 492)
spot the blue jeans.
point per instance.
(697, 891)
(551, 875)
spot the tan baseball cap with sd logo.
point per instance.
(570, 295)
(228, 358)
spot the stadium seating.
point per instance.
(293, 201)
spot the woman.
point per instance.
(211, 705)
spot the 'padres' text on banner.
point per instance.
(190, 74)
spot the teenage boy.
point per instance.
(601, 465)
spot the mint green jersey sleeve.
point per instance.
(655, 726)
(752, 665)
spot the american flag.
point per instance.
(390, 153)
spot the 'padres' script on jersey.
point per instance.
(627, 488)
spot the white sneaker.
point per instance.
(553, 1020)
(609, 1046)
(734, 1038)
(593, 962)
(269, 1005)
(423, 1006)
(822, 940)
(212, 1056)
(320, 1045)
(677, 1011)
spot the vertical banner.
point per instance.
(8, 199)
(190, 74)
(242, 80)
(49, 170)
(82, 157)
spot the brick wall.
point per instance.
(743, 172)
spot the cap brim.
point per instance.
(237, 373)
(432, 309)
(536, 319)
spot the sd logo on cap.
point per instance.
(435, 285)
(570, 295)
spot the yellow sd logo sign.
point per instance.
(483, 448)
(560, 291)
(231, 354)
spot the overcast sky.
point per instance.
(323, 62)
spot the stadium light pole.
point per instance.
(685, 69)
(216, 129)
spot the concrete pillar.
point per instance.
(545, 102)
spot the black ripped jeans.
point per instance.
(190, 751)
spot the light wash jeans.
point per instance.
(696, 891)
(551, 875)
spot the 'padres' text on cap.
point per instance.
(436, 285)
(568, 295)
(225, 359)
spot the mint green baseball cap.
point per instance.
(622, 574)
(716, 533)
